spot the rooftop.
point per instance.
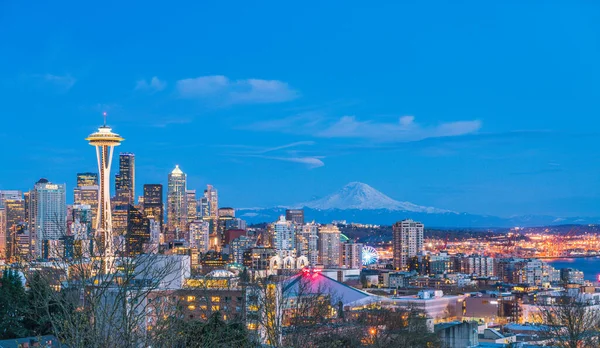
(177, 171)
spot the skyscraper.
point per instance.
(212, 198)
(125, 179)
(3, 234)
(120, 212)
(81, 229)
(295, 215)
(87, 195)
(138, 232)
(203, 208)
(212, 215)
(351, 255)
(105, 141)
(15, 216)
(199, 235)
(284, 238)
(9, 194)
(48, 211)
(329, 246)
(307, 242)
(177, 203)
(87, 179)
(192, 205)
(153, 203)
(407, 242)
(239, 246)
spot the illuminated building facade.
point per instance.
(138, 232)
(329, 246)
(192, 205)
(87, 195)
(212, 213)
(479, 265)
(3, 234)
(407, 242)
(48, 214)
(14, 217)
(351, 255)
(212, 198)
(87, 179)
(284, 238)
(199, 235)
(9, 194)
(240, 245)
(125, 179)
(259, 258)
(81, 229)
(119, 221)
(153, 203)
(177, 218)
(307, 243)
(104, 140)
(4, 195)
(203, 207)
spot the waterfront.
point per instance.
(590, 266)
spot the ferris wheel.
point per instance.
(369, 255)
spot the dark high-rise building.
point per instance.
(153, 203)
(15, 216)
(295, 215)
(138, 231)
(87, 179)
(125, 179)
(119, 218)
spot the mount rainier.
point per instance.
(361, 203)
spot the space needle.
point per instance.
(105, 141)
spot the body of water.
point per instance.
(590, 266)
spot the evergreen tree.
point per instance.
(13, 306)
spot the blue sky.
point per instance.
(483, 107)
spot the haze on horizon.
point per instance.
(486, 108)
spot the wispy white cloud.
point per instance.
(154, 85)
(281, 153)
(311, 162)
(223, 90)
(286, 146)
(405, 129)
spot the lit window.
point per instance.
(191, 298)
(216, 299)
(191, 307)
(215, 308)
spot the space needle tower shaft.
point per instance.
(104, 140)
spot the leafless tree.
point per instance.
(570, 322)
(288, 312)
(100, 299)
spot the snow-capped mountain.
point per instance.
(360, 203)
(357, 195)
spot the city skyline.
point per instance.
(493, 110)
